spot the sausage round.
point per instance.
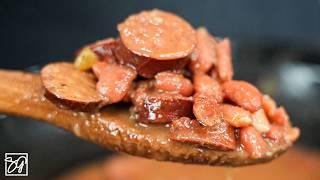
(153, 106)
(157, 34)
(105, 49)
(114, 82)
(205, 84)
(219, 137)
(253, 142)
(70, 87)
(146, 67)
(243, 94)
(206, 110)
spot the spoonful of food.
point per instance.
(162, 90)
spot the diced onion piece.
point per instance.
(85, 59)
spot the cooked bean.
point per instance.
(169, 81)
(260, 121)
(253, 142)
(224, 63)
(206, 110)
(204, 55)
(235, 116)
(204, 84)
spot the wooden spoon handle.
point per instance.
(21, 94)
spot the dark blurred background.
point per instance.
(276, 45)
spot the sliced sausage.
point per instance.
(125, 56)
(204, 55)
(98, 67)
(218, 137)
(105, 49)
(114, 82)
(170, 81)
(206, 110)
(153, 106)
(147, 67)
(204, 84)
(224, 63)
(163, 108)
(243, 94)
(235, 116)
(70, 87)
(127, 97)
(142, 89)
(253, 142)
(157, 34)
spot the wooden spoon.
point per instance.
(112, 128)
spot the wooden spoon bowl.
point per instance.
(112, 128)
